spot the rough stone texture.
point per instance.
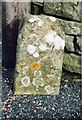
(39, 56)
(37, 8)
(69, 10)
(72, 63)
(69, 43)
(69, 27)
(73, 44)
(79, 43)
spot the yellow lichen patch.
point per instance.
(35, 66)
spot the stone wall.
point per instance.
(68, 16)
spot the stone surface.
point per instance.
(68, 10)
(69, 27)
(79, 44)
(72, 63)
(39, 56)
(69, 43)
(73, 44)
(37, 8)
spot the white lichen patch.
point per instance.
(49, 89)
(53, 19)
(50, 37)
(25, 70)
(59, 42)
(38, 82)
(58, 78)
(31, 49)
(37, 73)
(36, 55)
(42, 47)
(33, 19)
(40, 23)
(25, 81)
(36, 19)
(53, 38)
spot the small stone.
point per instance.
(62, 97)
(65, 85)
(53, 108)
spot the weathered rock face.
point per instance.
(69, 27)
(69, 10)
(39, 56)
(79, 44)
(72, 63)
(69, 43)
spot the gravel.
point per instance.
(65, 105)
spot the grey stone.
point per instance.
(68, 10)
(72, 63)
(37, 8)
(69, 43)
(79, 44)
(39, 56)
(73, 44)
(70, 27)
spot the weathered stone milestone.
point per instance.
(39, 56)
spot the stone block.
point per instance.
(72, 63)
(69, 44)
(67, 10)
(70, 27)
(39, 56)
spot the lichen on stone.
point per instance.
(38, 82)
(53, 19)
(31, 49)
(39, 56)
(49, 89)
(25, 81)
